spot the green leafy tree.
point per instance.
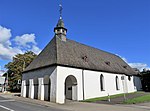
(145, 78)
(16, 67)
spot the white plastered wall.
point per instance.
(90, 87)
(23, 88)
(53, 79)
(62, 74)
(130, 84)
(93, 88)
(92, 83)
(31, 89)
(41, 89)
(39, 74)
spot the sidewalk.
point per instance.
(80, 106)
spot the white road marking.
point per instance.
(6, 108)
(6, 101)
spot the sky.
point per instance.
(121, 27)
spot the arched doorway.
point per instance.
(36, 83)
(47, 87)
(71, 88)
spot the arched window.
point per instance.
(129, 78)
(117, 83)
(102, 83)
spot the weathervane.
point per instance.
(61, 8)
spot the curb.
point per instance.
(42, 103)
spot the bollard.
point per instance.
(108, 97)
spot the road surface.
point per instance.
(13, 105)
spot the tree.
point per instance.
(16, 67)
(145, 78)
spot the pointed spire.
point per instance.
(60, 23)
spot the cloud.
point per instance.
(5, 34)
(35, 49)
(139, 66)
(8, 52)
(1, 71)
(25, 42)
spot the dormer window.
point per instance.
(108, 63)
(125, 67)
(85, 58)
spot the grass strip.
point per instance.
(106, 97)
(141, 99)
(102, 98)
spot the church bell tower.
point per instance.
(60, 29)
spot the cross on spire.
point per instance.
(61, 8)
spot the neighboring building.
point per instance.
(2, 83)
(66, 69)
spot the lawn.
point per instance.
(140, 98)
(102, 98)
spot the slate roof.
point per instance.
(73, 54)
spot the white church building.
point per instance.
(66, 69)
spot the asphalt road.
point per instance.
(13, 105)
